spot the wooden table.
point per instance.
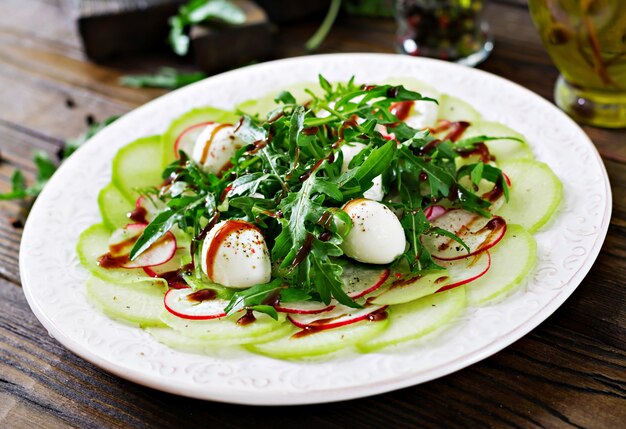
(570, 371)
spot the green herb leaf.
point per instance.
(165, 77)
(267, 309)
(201, 11)
(477, 173)
(316, 40)
(72, 144)
(285, 97)
(255, 295)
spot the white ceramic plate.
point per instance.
(53, 280)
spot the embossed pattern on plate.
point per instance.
(53, 279)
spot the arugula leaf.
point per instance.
(439, 180)
(285, 97)
(327, 274)
(201, 11)
(294, 295)
(359, 179)
(162, 223)
(267, 309)
(471, 141)
(253, 296)
(165, 77)
(476, 174)
(487, 172)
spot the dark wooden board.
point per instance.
(569, 372)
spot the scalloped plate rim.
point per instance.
(260, 397)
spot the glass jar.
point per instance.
(451, 30)
(586, 39)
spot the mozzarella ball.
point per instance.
(349, 151)
(423, 114)
(234, 254)
(215, 146)
(376, 236)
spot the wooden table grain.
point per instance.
(568, 372)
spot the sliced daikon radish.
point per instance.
(417, 318)
(466, 270)
(535, 194)
(339, 316)
(195, 305)
(114, 207)
(303, 307)
(409, 287)
(360, 280)
(138, 303)
(226, 329)
(172, 338)
(454, 109)
(123, 240)
(301, 344)
(501, 149)
(92, 244)
(512, 259)
(477, 232)
(136, 166)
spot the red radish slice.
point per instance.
(434, 212)
(358, 281)
(169, 271)
(123, 240)
(146, 209)
(303, 307)
(339, 316)
(507, 179)
(466, 270)
(385, 132)
(477, 232)
(198, 305)
(187, 139)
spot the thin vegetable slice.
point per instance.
(294, 345)
(172, 338)
(477, 232)
(114, 207)
(303, 307)
(409, 287)
(536, 193)
(454, 109)
(466, 270)
(502, 149)
(226, 329)
(136, 166)
(417, 318)
(92, 244)
(192, 305)
(512, 259)
(339, 316)
(359, 280)
(138, 303)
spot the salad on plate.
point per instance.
(322, 218)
